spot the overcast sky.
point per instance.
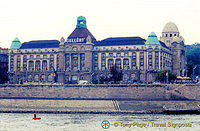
(51, 19)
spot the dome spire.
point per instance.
(16, 44)
(152, 39)
(81, 22)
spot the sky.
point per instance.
(52, 19)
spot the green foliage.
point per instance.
(162, 76)
(3, 76)
(116, 76)
(193, 59)
(103, 80)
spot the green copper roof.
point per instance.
(152, 39)
(16, 44)
(81, 22)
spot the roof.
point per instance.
(170, 27)
(16, 44)
(40, 44)
(152, 39)
(163, 44)
(80, 31)
(115, 41)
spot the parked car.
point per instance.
(83, 82)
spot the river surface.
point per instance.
(94, 122)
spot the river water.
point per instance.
(94, 122)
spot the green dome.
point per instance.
(152, 39)
(81, 22)
(16, 44)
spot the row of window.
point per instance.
(171, 35)
(75, 49)
(74, 61)
(126, 54)
(37, 78)
(119, 48)
(35, 65)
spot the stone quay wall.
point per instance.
(142, 92)
(104, 92)
(98, 98)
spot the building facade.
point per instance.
(3, 65)
(81, 57)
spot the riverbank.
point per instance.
(99, 98)
(94, 106)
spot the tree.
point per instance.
(162, 76)
(3, 76)
(116, 74)
(103, 80)
(193, 59)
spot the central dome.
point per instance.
(170, 27)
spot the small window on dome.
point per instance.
(170, 35)
(74, 49)
(166, 35)
(174, 34)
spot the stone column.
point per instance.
(61, 69)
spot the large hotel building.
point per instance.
(82, 57)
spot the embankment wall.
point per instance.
(103, 92)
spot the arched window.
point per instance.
(44, 65)
(118, 63)
(37, 65)
(31, 65)
(150, 77)
(42, 78)
(29, 78)
(125, 77)
(110, 63)
(74, 49)
(50, 78)
(36, 78)
(82, 48)
(141, 77)
(126, 64)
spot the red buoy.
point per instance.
(36, 118)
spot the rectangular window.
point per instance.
(134, 55)
(141, 55)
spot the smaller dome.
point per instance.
(81, 22)
(170, 27)
(152, 39)
(16, 44)
(177, 39)
(81, 18)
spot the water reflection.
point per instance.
(91, 122)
